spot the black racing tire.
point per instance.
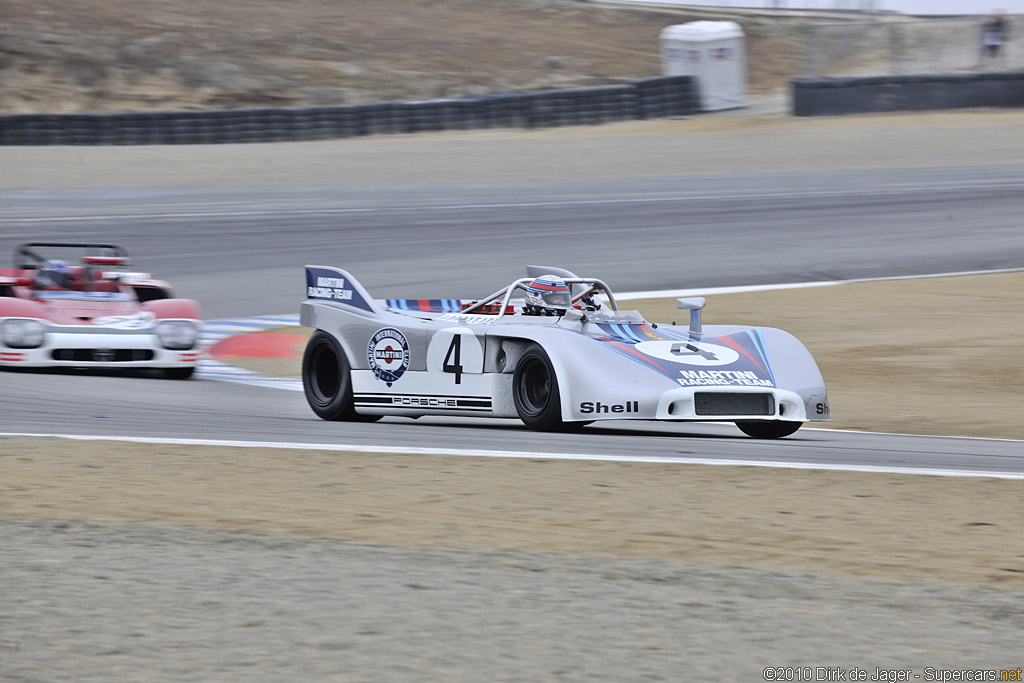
(178, 373)
(327, 380)
(764, 429)
(535, 393)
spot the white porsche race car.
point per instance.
(553, 350)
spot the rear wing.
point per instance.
(27, 256)
(336, 286)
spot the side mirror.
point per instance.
(575, 314)
(694, 305)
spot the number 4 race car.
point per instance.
(556, 357)
(93, 314)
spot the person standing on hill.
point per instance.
(994, 33)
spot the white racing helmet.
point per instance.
(53, 274)
(547, 295)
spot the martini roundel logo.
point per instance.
(388, 355)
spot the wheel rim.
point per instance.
(534, 387)
(326, 375)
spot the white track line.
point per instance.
(400, 450)
(922, 436)
(708, 291)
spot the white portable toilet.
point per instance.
(713, 52)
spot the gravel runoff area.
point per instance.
(164, 563)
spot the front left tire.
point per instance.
(327, 380)
(178, 373)
(535, 393)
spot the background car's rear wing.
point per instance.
(27, 256)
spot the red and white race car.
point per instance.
(92, 312)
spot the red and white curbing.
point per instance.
(218, 330)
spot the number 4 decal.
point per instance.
(453, 359)
(455, 351)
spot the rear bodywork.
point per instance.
(418, 357)
(110, 317)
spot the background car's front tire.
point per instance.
(178, 373)
(535, 392)
(327, 380)
(769, 429)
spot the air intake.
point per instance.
(716, 403)
(102, 355)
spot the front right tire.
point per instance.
(327, 380)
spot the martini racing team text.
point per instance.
(836, 673)
(329, 288)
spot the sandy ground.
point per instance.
(885, 349)
(899, 527)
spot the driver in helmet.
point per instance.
(53, 274)
(547, 295)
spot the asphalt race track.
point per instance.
(240, 251)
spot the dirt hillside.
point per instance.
(61, 56)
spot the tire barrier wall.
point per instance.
(642, 99)
(860, 95)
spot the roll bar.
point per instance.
(506, 293)
(26, 257)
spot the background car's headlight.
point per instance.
(22, 333)
(176, 334)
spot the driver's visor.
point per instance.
(557, 299)
(555, 294)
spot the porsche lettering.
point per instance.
(425, 401)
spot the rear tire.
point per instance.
(327, 380)
(535, 393)
(178, 373)
(774, 429)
